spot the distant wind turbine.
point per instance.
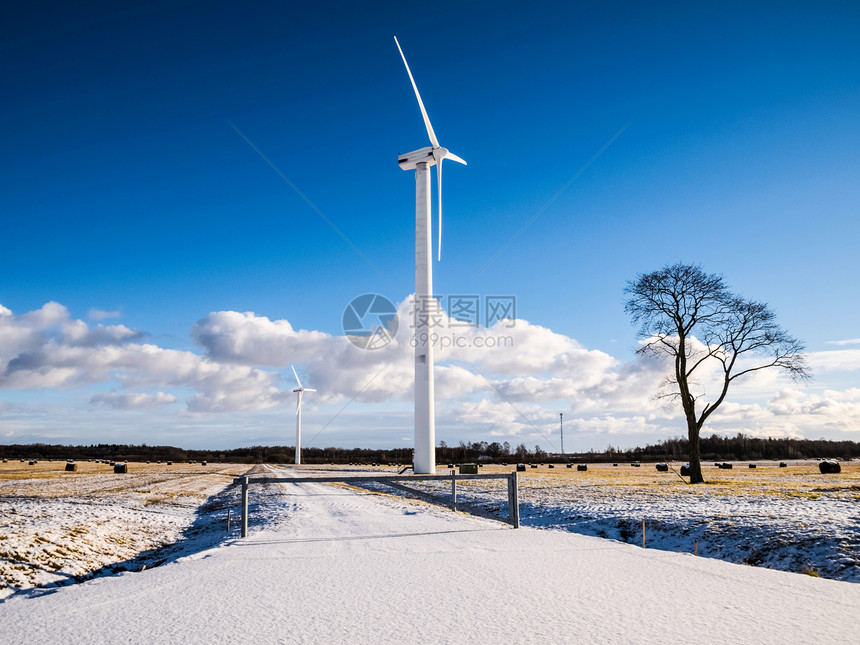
(299, 391)
(420, 161)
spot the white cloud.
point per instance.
(843, 360)
(132, 401)
(99, 314)
(501, 382)
(850, 341)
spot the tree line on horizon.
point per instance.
(713, 448)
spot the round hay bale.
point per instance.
(663, 468)
(752, 465)
(782, 464)
(169, 463)
(202, 463)
(685, 470)
(636, 464)
(552, 465)
(829, 467)
(71, 467)
(582, 467)
(521, 468)
(570, 465)
(533, 465)
(32, 463)
(120, 468)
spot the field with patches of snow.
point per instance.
(792, 519)
(333, 564)
(57, 528)
(60, 527)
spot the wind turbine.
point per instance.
(420, 160)
(299, 391)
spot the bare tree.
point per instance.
(691, 318)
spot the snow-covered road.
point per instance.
(327, 564)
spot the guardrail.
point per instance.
(513, 493)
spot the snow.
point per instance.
(62, 529)
(785, 520)
(334, 564)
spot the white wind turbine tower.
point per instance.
(421, 160)
(299, 391)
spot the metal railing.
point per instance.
(513, 493)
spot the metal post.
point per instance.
(561, 426)
(245, 506)
(513, 500)
(453, 490)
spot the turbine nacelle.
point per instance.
(428, 155)
(434, 154)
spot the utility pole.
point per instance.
(561, 425)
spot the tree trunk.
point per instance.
(695, 460)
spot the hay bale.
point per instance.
(685, 470)
(782, 464)
(570, 465)
(533, 465)
(32, 462)
(582, 467)
(829, 467)
(635, 464)
(521, 468)
(468, 469)
(120, 468)
(752, 465)
(71, 467)
(726, 465)
(663, 468)
(450, 465)
(552, 465)
(169, 463)
(202, 463)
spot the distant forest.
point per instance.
(714, 448)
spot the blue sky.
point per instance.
(127, 189)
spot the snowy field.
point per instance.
(337, 565)
(60, 527)
(793, 519)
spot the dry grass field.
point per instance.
(58, 526)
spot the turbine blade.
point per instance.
(430, 132)
(296, 375)
(308, 389)
(439, 187)
(454, 157)
(298, 402)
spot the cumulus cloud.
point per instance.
(507, 380)
(230, 336)
(47, 349)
